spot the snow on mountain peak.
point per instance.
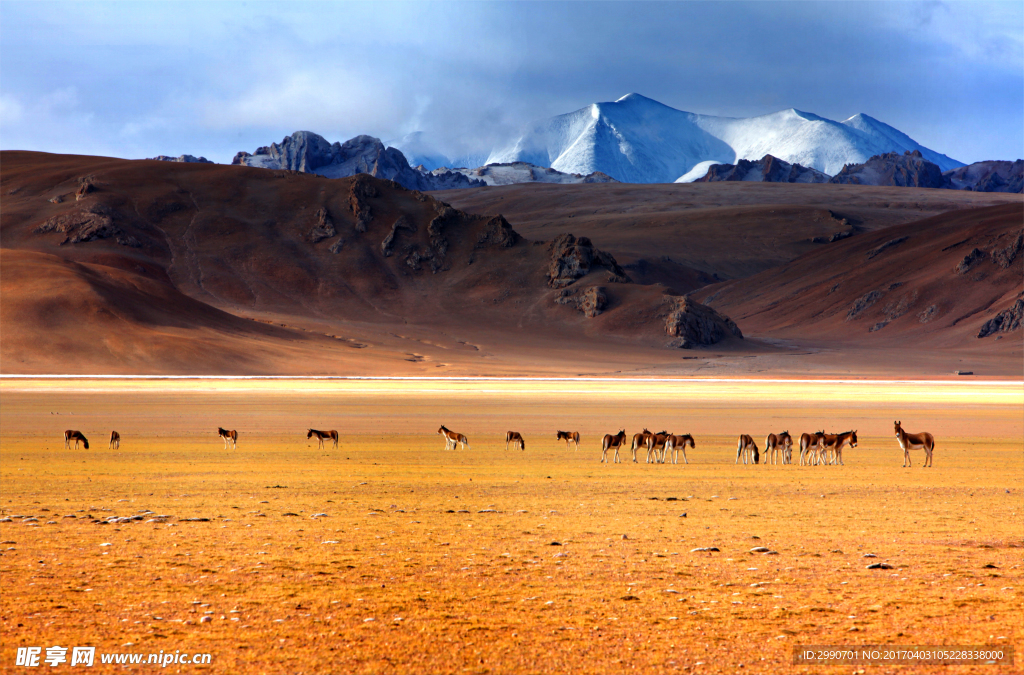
(639, 140)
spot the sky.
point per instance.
(138, 79)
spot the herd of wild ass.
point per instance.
(816, 448)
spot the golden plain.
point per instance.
(390, 554)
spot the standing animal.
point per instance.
(656, 443)
(676, 443)
(515, 438)
(773, 444)
(833, 445)
(228, 435)
(907, 441)
(567, 436)
(452, 438)
(747, 449)
(321, 435)
(610, 441)
(810, 445)
(639, 440)
(76, 436)
(115, 441)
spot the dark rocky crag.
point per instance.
(1005, 321)
(307, 152)
(768, 169)
(910, 169)
(693, 324)
(572, 258)
(998, 176)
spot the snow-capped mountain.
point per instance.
(638, 140)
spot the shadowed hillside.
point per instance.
(167, 248)
(936, 282)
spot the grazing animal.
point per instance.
(907, 441)
(610, 441)
(567, 436)
(452, 438)
(810, 445)
(515, 438)
(747, 449)
(833, 445)
(321, 435)
(228, 435)
(656, 443)
(640, 440)
(773, 444)
(76, 436)
(115, 441)
(676, 443)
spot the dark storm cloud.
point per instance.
(139, 79)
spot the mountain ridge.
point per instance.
(627, 139)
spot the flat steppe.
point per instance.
(423, 560)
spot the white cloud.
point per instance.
(330, 98)
(10, 110)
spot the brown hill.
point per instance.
(135, 256)
(933, 283)
(689, 232)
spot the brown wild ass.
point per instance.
(453, 438)
(908, 442)
(833, 445)
(76, 436)
(640, 440)
(610, 441)
(115, 441)
(656, 444)
(515, 438)
(321, 435)
(773, 444)
(676, 443)
(567, 436)
(810, 447)
(228, 435)
(747, 449)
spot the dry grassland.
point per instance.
(434, 561)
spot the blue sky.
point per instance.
(140, 79)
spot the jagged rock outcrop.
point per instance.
(885, 247)
(324, 227)
(910, 169)
(695, 325)
(307, 152)
(361, 191)
(591, 300)
(862, 303)
(768, 169)
(188, 159)
(402, 223)
(89, 224)
(1005, 321)
(85, 186)
(975, 256)
(572, 258)
(1005, 255)
(498, 233)
(993, 176)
